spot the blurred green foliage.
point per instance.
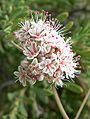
(38, 101)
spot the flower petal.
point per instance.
(23, 81)
(16, 73)
(41, 77)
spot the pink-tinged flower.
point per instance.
(37, 30)
(39, 75)
(34, 64)
(24, 27)
(66, 65)
(21, 74)
(31, 50)
(25, 63)
(47, 67)
(45, 47)
(43, 40)
(57, 77)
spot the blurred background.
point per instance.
(37, 102)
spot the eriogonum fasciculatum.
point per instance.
(44, 43)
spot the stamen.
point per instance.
(80, 67)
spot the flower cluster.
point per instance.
(44, 43)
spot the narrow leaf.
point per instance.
(74, 88)
(63, 16)
(68, 26)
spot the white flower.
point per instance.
(47, 67)
(31, 50)
(45, 47)
(45, 44)
(58, 76)
(66, 64)
(39, 75)
(34, 64)
(37, 30)
(25, 63)
(21, 74)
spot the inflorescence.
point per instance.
(43, 42)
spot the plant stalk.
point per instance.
(17, 46)
(65, 116)
(82, 105)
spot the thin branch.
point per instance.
(65, 116)
(82, 105)
(17, 46)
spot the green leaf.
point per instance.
(1, 12)
(68, 26)
(84, 53)
(14, 117)
(8, 29)
(63, 16)
(41, 95)
(22, 109)
(5, 117)
(74, 88)
(11, 96)
(48, 92)
(1, 48)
